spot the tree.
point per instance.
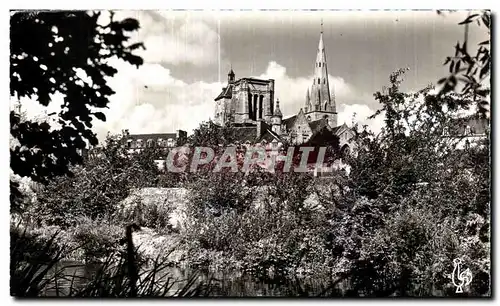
(65, 53)
(418, 202)
(470, 70)
(104, 180)
(209, 134)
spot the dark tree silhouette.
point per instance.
(469, 72)
(209, 134)
(49, 53)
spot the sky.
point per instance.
(189, 53)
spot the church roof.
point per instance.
(477, 125)
(340, 129)
(245, 133)
(270, 136)
(155, 136)
(277, 110)
(322, 136)
(317, 124)
(227, 92)
(289, 122)
(249, 133)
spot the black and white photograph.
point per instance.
(308, 153)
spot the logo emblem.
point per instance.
(460, 278)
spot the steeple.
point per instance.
(230, 75)
(319, 101)
(308, 105)
(320, 91)
(277, 111)
(333, 103)
(276, 118)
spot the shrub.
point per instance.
(97, 240)
(32, 258)
(145, 213)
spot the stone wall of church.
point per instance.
(316, 115)
(300, 132)
(253, 100)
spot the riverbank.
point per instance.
(93, 243)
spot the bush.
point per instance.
(32, 257)
(264, 230)
(145, 213)
(97, 240)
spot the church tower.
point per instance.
(319, 104)
(276, 119)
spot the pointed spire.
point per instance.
(277, 111)
(308, 101)
(333, 103)
(230, 75)
(321, 45)
(320, 92)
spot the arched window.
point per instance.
(261, 102)
(319, 64)
(255, 106)
(251, 111)
(324, 81)
(468, 130)
(319, 81)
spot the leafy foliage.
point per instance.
(209, 134)
(401, 242)
(31, 259)
(67, 54)
(98, 186)
(469, 69)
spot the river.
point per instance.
(219, 284)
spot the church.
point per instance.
(248, 105)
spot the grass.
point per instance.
(37, 270)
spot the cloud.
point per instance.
(359, 113)
(292, 93)
(175, 38)
(150, 100)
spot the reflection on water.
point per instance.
(220, 284)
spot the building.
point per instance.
(244, 101)
(319, 104)
(248, 105)
(467, 131)
(137, 142)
